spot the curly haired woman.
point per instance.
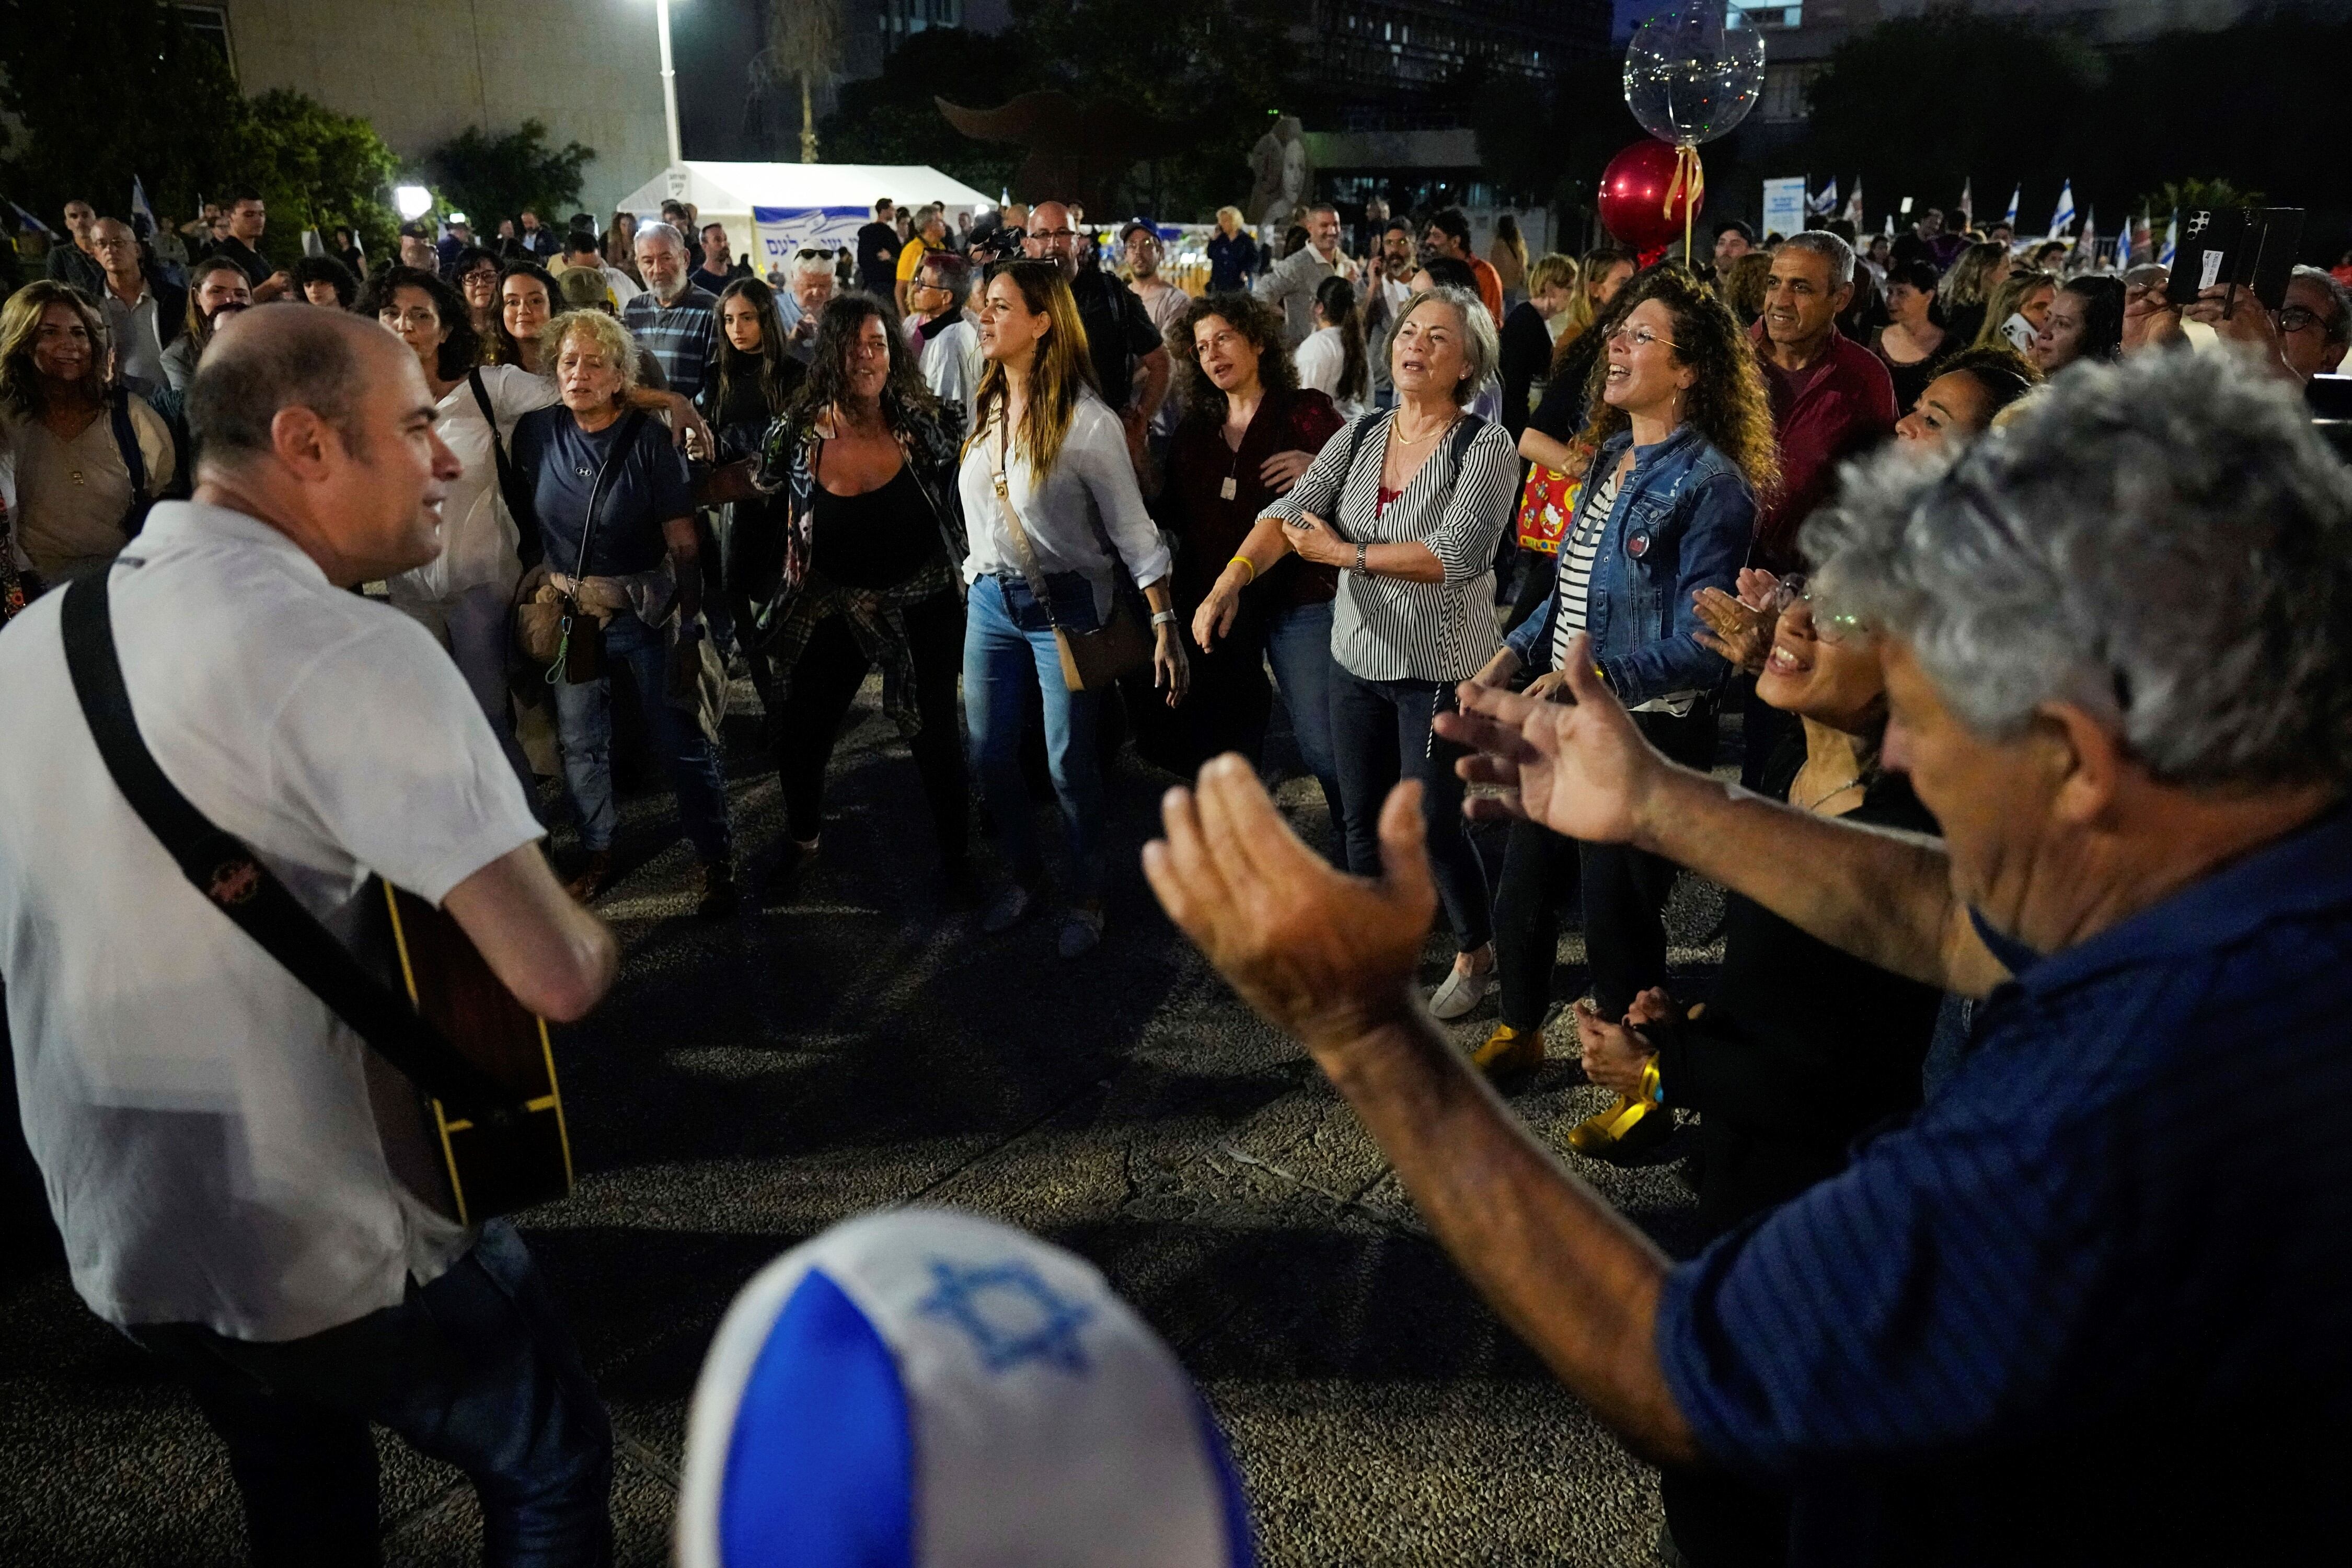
(1684, 440)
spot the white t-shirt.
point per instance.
(952, 364)
(203, 1123)
(478, 536)
(1322, 360)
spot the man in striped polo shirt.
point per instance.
(2088, 1305)
(673, 319)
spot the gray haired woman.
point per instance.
(1409, 504)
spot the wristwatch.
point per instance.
(1362, 546)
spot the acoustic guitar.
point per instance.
(490, 1167)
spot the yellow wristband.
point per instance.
(1246, 560)
(1652, 1089)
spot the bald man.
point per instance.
(230, 1165)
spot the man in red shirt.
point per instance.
(1449, 235)
(1832, 399)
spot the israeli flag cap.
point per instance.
(926, 1389)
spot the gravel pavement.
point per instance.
(751, 1081)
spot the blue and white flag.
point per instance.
(2123, 251)
(1824, 201)
(139, 211)
(2011, 218)
(2062, 222)
(27, 220)
(926, 1389)
(2171, 241)
(1852, 213)
(2087, 248)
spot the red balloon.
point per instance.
(1633, 193)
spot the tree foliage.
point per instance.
(1214, 70)
(493, 177)
(105, 90)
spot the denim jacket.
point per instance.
(1683, 522)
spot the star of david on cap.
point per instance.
(1010, 1314)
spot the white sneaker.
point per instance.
(1459, 996)
(1005, 910)
(1081, 930)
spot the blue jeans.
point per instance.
(583, 722)
(475, 1369)
(1381, 734)
(1008, 651)
(1298, 645)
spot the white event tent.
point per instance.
(770, 210)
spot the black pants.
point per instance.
(824, 683)
(475, 1369)
(1380, 734)
(1624, 892)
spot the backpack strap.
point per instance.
(519, 506)
(134, 463)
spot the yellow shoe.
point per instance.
(1507, 1051)
(1626, 1130)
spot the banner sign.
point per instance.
(784, 230)
(1784, 206)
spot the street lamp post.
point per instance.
(669, 82)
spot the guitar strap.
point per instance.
(235, 880)
(511, 489)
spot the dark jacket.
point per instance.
(934, 449)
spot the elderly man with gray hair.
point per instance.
(675, 318)
(2088, 1306)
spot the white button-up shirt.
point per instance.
(1085, 508)
(203, 1123)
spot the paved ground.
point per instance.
(750, 1083)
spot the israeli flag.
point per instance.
(2062, 222)
(926, 1389)
(2087, 248)
(2172, 245)
(141, 212)
(1824, 202)
(2011, 218)
(27, 220)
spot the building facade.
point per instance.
(422, 71)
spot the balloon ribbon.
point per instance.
(1689, 183)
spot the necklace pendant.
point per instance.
(76, 475)
(1225, 492)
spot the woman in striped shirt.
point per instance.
(1409, 504)
(1684, 445)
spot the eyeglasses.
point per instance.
(2296, 318)
(1830, 627)
(425, 316)
(1638, 338)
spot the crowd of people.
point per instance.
(1472, 517)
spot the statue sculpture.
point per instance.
(1283, 175)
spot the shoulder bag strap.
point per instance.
(236, 882)
(1028, 562)
(631, 423)
(519, 505)
(135, 462)
(1466, 430)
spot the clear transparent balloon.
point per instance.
(1691, 74)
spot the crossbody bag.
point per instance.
(554, 630)
(134, 463)
(1090, 660)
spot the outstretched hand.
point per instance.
(1577, 767)
(1322, 954)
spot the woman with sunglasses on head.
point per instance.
(1802, 1047)
(1050, 499)
(864, 458)
(1684, 444)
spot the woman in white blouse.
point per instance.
(1331, 360)
(464, 597)
(1410, 504)
(1049, 496)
